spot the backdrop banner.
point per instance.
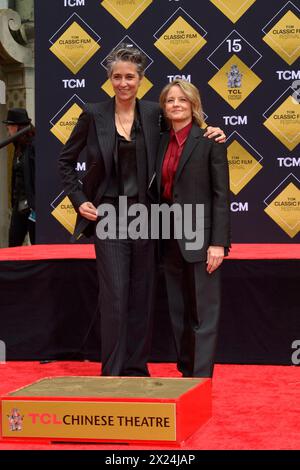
(241, 54)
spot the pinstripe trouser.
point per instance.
(126, 271)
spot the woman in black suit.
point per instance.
(193, 170)
(121, 138)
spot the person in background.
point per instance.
(192, 169)
(121, 137)
(22, 220)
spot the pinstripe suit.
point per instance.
(125, 267)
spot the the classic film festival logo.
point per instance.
(180, 38)
(75, 46)
(145, 85)
(243, 166)
(283, 205)
(235, 81)
(64, 213)
(233, 9)
(283, 119)
(66, 119)
(126, 11)
(284, 36)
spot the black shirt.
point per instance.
(124, 177)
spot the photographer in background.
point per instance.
(23, 178)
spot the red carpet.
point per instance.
(238, 251)
(254, 407)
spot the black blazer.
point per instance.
(95, 131)
(202, 177)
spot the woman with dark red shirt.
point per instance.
(192, 172)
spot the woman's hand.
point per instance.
(88, 211)
(215, 256)
(215, 133)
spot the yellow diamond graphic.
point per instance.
(145, 86)
(285, 210)
(234, 81)
(284, 37)
(126, 11)
(74, 47)
(66, 215)
(180, 42)
(242, 166)
(233, 9)
(64, 126)
(284, 123)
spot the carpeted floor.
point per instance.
(254, 407)
(87, 251)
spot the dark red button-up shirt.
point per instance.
(172, 158)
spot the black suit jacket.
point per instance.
(202, 177)
(95, 131)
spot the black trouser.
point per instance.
(194, 305)
(126, 271)
(19, 227)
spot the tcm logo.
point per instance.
(235, 120)
(288, 74)
(239, 206)
(74, 83)
(296, 354)
(74, 3)
(187, 78)
(288, 161)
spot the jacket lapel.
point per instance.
(151, 135)
(106, 132)
(163, 145)
(192, 141)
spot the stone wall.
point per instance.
(16, 83)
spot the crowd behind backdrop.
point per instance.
(241, 54)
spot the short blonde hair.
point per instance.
(192, 94)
